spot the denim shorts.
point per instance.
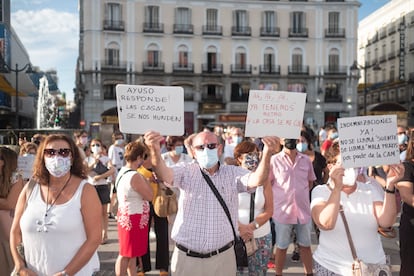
(284, 234)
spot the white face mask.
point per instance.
(96, 149)
(84, 140)
(57, 165)
(350, 176)
(207, 158)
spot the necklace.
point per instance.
(42, 224)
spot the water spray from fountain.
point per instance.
(45, 105)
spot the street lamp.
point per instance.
(17, 70)
(355, 67)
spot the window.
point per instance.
(112, 55)
(183, 21)
(113, 12)
(269, 60)
(153, 56)
(392, 73)
(296, 87)
(109, 91)
(269, 20)
(240, 92)
(297, 60)
(182, 56)
(241, 23)
(332, 92)
(297, 22)
(211, 19)
(240, 58)
(333, 61)
(333, 22)
(152, 16)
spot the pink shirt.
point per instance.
(290, 185)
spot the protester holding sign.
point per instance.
(202, 231)
(365, 208)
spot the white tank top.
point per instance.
(49, 252)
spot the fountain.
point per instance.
(45, 106)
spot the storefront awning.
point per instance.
(7, 88)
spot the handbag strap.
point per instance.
(348, 233)
(117, 182)
(220, 199)
(252, 197)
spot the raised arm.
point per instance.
(325, 213)
(271, 146)
(164, 173)
(386, 212)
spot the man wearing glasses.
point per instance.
(202, 231)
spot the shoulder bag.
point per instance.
(165, 203)
(239, 246)
(251, 245)
(360, 268)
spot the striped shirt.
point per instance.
(201, 224)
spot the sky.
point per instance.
(49, 30)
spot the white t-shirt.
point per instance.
(259, 204)
(333, 251)
(90, 160)
(116, 154)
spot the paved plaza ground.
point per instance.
(108, 253)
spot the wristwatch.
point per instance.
(63, 273)
(256, 224)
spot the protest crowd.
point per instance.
(205, 193)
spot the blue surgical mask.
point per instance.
(179, 150)
(237, 139)
(302, 147)
(119, 142)
(334, 135)
(207, 158)
(402, 139)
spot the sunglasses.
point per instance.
(202, 147)
(53, 152)
(95, 145)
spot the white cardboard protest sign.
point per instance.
(25, 165)
(368, 141)
(143, 108)
(275, 113)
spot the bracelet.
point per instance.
(390, 191)
(63, 273)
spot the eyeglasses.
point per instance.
(53, 152)
(202, 147)
(145, 157)
(95, 145)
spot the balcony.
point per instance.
(269, 69)
(183, 28)
(241, 31)
(335, 70)
(183, 67)
(298, 70)
(333, 99)
(212, 68)
(382, 58)
(151, 27)
(335, 33)
(298, 32)
(270, 32)
(113, 25)
(391, 30)
(241, 68)
(392, 55)
(113, 65)
(411, 47)
(212, 30)
(153, 67)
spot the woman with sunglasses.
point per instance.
(57, 215)
(259, 205)
(99, 169)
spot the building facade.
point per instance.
(386, 42)
(218, 51)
